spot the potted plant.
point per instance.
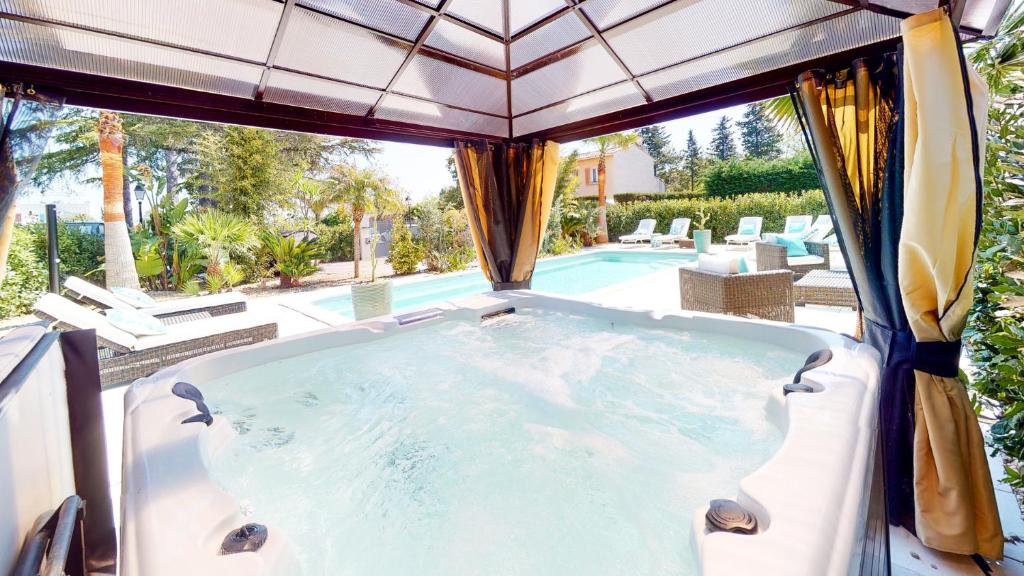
(702, 236)
(372, 298)
(363, 190)
(292, 260)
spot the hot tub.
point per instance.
(505, 433)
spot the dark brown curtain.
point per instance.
(507, 190)
(852, 122)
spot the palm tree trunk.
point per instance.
(6, 234)
(129, 221)
(602, 218)
(357, 241)
(117, 247)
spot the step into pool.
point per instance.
(567, 276)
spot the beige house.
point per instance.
(627, 170)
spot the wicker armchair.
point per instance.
(772, 256)
(767, 295)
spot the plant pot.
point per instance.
(371, 299)
(702, 240)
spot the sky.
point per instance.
(419, 171)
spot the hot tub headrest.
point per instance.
(816, 359)
(190, 392)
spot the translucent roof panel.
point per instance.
(587, 69)
(649, 42)
(433, 79)
(522, 13)
(776, 51)
(440, 69)
(487, 14)
(78, 51)
(390, 16)
(326, 46)
(618, 97)
(468, 44)
(301, 90)
(410, 110)
(241, 28)
(563, 32)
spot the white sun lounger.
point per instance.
(821, 228)
(643, 233)
(125, 357)
(748, 231)
(797, 224)
(677, 231)
(169, 312)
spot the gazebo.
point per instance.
(504, 81)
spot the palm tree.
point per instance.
(362, 189)
(606, 144)
(217, 234)
(117, 246)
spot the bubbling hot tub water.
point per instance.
(540, 443)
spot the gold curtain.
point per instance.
(945, 104)
(507, 190)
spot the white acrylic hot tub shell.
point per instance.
(810, 497)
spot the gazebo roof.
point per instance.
(435, 70)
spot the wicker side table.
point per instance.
(685, 243)
(825, 287)
(767, 295)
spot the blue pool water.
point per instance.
(571, 276)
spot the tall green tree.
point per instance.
(723, 143)
(243, 171)
(693, 161)
(605, 145)
(656, 140)
(760, 137)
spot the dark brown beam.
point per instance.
(743, 91)
(596, 34)
(420, 40)
(275, 47)
(453, 19)
(130, 96)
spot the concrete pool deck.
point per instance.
(660, 290)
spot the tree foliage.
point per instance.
(723, 142)
(760, 137)
(658, 144)
(693, 161)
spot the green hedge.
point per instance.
(649, 197)
(80, 254)
(724, 214)
(26, 276)
(747, 175)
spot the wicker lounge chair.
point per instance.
(125, 357)
(767, 295)
(644, 232)
(169, 312)
(826, 288)
(772, 256)
(749, 230)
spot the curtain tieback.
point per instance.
(498, 286)
(938, 358)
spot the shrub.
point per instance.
(648, 196)
(445, 235)
(724, 214)
(26, 276)
(405, 255)
(748, 175)
(292, 260)
(334, 240)
(80, 254)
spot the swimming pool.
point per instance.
(507, 433)
(567, 276)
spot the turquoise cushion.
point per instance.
(794, 244)
(135, 322)
(741, 266)
(797, 227)
(747, 228)
(136, 298)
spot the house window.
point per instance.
(593, 175)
